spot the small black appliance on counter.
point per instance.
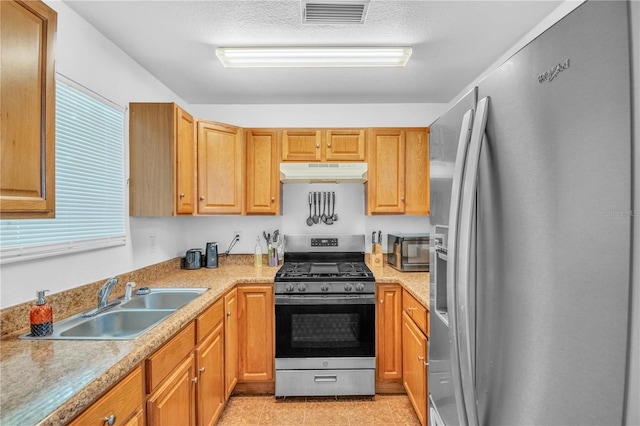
(193, 259)
(211, 255)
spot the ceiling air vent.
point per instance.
(334, 12)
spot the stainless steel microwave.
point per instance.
(408, 252)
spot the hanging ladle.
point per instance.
(310, 219)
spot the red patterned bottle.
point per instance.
(41, 316)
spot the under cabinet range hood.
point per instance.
(323, 172)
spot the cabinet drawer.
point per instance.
(164, 361)
(416, 311)
(207, 321)
(121, 401)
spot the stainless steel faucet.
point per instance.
(103, 298)
(105, 291)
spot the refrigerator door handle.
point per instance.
(465, 292)
(452, 246)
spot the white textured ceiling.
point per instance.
(453, 42)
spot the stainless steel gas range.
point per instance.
(325, 317)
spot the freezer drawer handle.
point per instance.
(325, 378)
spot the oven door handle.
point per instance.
(359, 299)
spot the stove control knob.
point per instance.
(302, 287)
(348, 287)
(324, 287)
(288, 288)
(360, 287)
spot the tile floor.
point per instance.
(360, 411)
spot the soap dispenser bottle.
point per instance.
(41, 316)
(257, 259)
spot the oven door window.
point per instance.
(308, 331)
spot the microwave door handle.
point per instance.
(466, 288)
(452, 245)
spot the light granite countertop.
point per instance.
(49, 382)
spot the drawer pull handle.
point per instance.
(110, 421)
(325, 378)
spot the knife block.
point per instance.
(375, 259)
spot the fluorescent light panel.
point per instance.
(313, 56)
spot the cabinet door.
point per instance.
(185, 162)
(120, 402)
(230, 342)
(210, 366)
(255, 333)
(417, 172)
(345, 145)
(263, 174)
(385, 187)
(389, 337)
(173, 403)
(27, 92)
(301, 145)
(220, 168)
(414, 346)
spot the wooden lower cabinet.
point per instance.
(230, 342)
(388, 338)
(256, 337)
(415, 366)
(122, 402)
(210, 373)
(186, 383)
(173, 402)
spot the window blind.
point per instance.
(89, 183)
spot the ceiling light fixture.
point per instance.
(313, 56)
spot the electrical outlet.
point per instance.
(239, 234)
(152, 244)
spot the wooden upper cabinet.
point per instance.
(301, 145)
(345, 145)
(313, 145)
(398, 171)
(385, 187)
(27, 157)
(185, 162)
(220, 168)
(417, 172)
(263, 174)
(162, 160)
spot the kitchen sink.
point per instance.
(116, 325)
(162, 298)
(127, 319)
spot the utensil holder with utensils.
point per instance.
(322, 208)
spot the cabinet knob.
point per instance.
(381, 300)
(202, 370)
(426, 364)
(401, 198)
(420, 358)
(328, 145)
(228, 314)
(273, 199)
(110, 421)
(182, 195)
(194, 380)
(202, 198)
(317, 145)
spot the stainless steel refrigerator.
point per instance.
(532, 207)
